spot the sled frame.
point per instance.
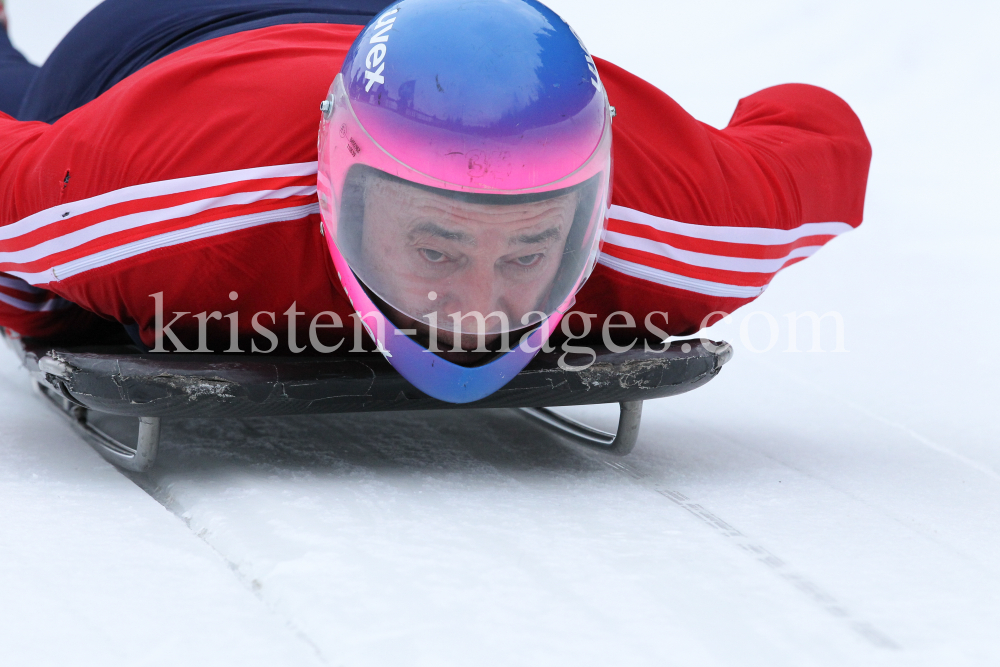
(620, 443)
(139, 458)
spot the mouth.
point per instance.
(472, 349)
(465, 349)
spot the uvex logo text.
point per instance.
(376, 55)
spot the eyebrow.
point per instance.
(550, 233)
(441, 232)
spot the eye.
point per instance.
(529, 260)
(433, 256)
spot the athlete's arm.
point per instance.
(702, 219)
(28, 310)
(25, 309)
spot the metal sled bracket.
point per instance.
(619, 444)
(137, 459)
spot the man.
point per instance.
(464, 170)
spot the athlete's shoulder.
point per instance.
(236, 102)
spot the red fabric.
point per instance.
(791, 155)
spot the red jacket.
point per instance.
(196, 177)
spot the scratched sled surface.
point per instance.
(121, 380)
(804, 508)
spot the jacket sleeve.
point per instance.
(38, 313)
(702, 219)
(30, 311)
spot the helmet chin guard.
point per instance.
(464, 176)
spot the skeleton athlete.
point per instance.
(161, 171)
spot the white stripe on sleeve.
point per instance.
(57, 303)
(724, 263)
(678, 281)
(135, 220)
(205, 230)
(147, 190)
(19, 285)
(748, 235)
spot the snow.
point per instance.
(805, 508)
(92, 570)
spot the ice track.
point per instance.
(802, 509)
(474, 538)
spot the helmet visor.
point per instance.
(468, 262)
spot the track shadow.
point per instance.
(459, 441)
(486, 441)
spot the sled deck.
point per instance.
(121, 380)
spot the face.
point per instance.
(435, 256)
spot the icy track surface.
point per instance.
(809, 508)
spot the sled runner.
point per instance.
(121, 380)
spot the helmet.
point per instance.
(464, 176)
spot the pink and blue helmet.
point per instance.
(464, 177)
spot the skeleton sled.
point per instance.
(124, 381)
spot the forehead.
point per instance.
(403, 200)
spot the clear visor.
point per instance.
(467, 262)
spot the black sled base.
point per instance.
(121, 380)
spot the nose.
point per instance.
(478, 290)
